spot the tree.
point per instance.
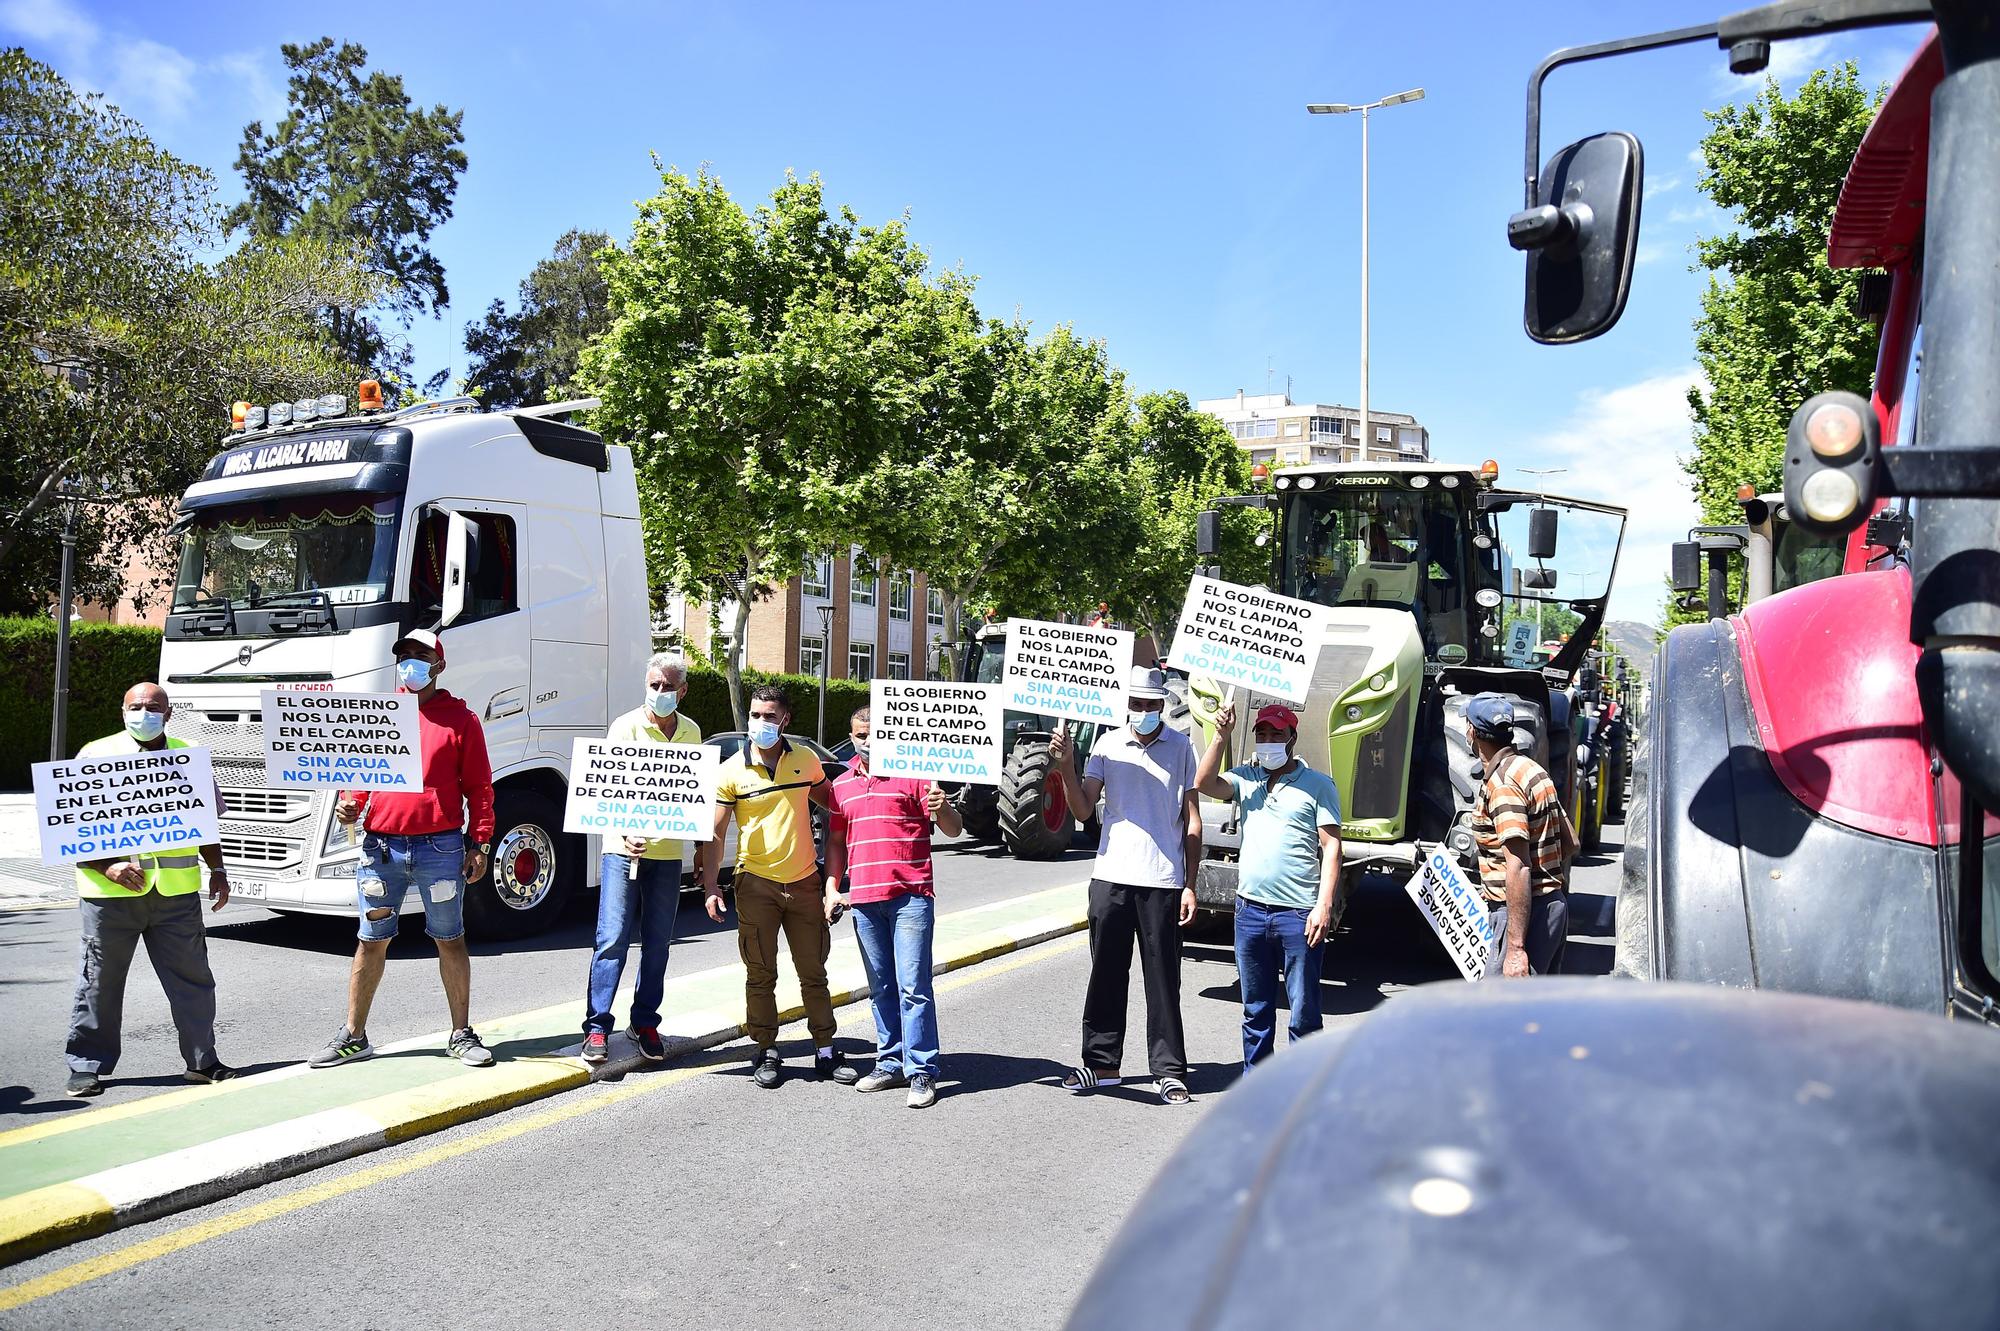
(121, 350)
(776, 374)
(352, 161)
(1777, 324)
(531, 357)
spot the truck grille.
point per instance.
(257, 803)
(260, 852)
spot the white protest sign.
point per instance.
(125, 804)
(940, 732)
(1457, 913)
(1067, 670)
(1521, 641)
(1248, 636)
(636, 788)
(357, 741)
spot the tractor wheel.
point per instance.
(1035, 817)
(1617, 770)
(1590, 833)
(979, 806)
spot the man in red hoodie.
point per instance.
(418, 839)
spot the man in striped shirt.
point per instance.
(1524, 836)
(880, 841)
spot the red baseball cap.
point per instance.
(422, 638)
(1279, 715)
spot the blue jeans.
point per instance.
(1269, 938)
(391, 865)
(647, 904)
(895, 938)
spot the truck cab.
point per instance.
(309, 546)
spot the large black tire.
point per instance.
(1035, 821)
(1590, 834)
(1617, 768)
(980, 807)
(540, 866)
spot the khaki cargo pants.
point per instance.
(763, 907)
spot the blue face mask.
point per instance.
(663, 703)
(413, 675)
(764, 734)
(1144, 722)
(143, 725)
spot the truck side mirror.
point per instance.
(461, 552)
(1207, 535)
(1687, 566)
(1581, 238)
(1542, 533)
(1539, 579)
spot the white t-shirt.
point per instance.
(1145, 787)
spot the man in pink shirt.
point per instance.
(880, 842)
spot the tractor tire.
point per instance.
(979, 806)
(1035, 819)
(1618, 771)
(1590, 833)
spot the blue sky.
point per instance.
(1144, 171)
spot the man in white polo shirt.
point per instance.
(1141, 887)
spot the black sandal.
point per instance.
(1174, 1091)
(1082, 1081)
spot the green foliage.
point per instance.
(708, 700)
(354, 163)
(530, 357)
(122, 349)
(105, 660)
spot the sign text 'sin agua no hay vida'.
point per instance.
(935, 731)
(356, 741)
(1248, 636)
(125, 804)
(631, 788)
(1067, 670)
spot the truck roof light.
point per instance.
(1745, 493)
(1307, 482)
(253, 419)
(1420, 482)
(281, 413)
(1283, 482)
(305, 409)
(331, 405)
(1489, 471)
(1259, 474)
(238, 412)
(1448, 482)
(368, 395)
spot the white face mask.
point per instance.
(143, 725)
(663, 702)
(1271, 757)
(764, 734)
(1143, 722)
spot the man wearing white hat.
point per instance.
(1141, 887)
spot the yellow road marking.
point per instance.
(165, 1245)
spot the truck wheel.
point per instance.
(534, 870)
(1035, 817)
(980, 807)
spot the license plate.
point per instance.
(249, 891)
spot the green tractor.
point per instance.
(1438, 579)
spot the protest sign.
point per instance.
(1067, 670)
(1457, 913)
(125, 804)
(1520, 642)
(943, 732)
(1248, 636)
(633, 788)
(356, 741)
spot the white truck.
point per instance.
(319, 535)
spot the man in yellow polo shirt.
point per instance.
(768, 788)
(154, 897)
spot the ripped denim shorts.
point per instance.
(392, 865)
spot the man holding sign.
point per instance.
(122, 899)
(1524, 837)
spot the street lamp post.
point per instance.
(1342, 108)
(825, 646)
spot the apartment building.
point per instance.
(1275, 430)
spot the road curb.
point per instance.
(62, 1213)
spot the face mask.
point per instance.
(143, 725)
(764, 734)
(1271, 757)
(663, 703)
(1144, 722)
(860, 748)
(413, 675)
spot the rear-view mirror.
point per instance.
(1539, 579)
(1581, 238)
(1207, 534)
(1687, 566)
(1542, 533)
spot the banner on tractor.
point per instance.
(634, 788)
(1457, 912)
(356, 741)
(935, 731)
(1067, 670)
(1249, 637)
(124, 804)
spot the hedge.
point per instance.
(104, 661)
(107, 659)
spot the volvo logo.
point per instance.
(244, 654)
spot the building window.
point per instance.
(1410, 441)
(861, 579)
(902, 591)
(1293, 429)
(899, 665)
(1292, 454)
(1381, 434)
(1326, 427)
(1263, 455)
(812, 655)
(1264, 429)
(933, 608)
(861, 660)
(818, 580)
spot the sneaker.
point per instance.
(214, 1072)
(651, 1047)
(878, 1080)
(465, 1047)
(345, 1047)
(923, 1091)
(595, 1047)
(83, 1085)
(837, 1069)
(767, 1069)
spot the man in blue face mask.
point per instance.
(641, 888)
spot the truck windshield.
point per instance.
(1385, 546)
(1801, 557)
(254, 554)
